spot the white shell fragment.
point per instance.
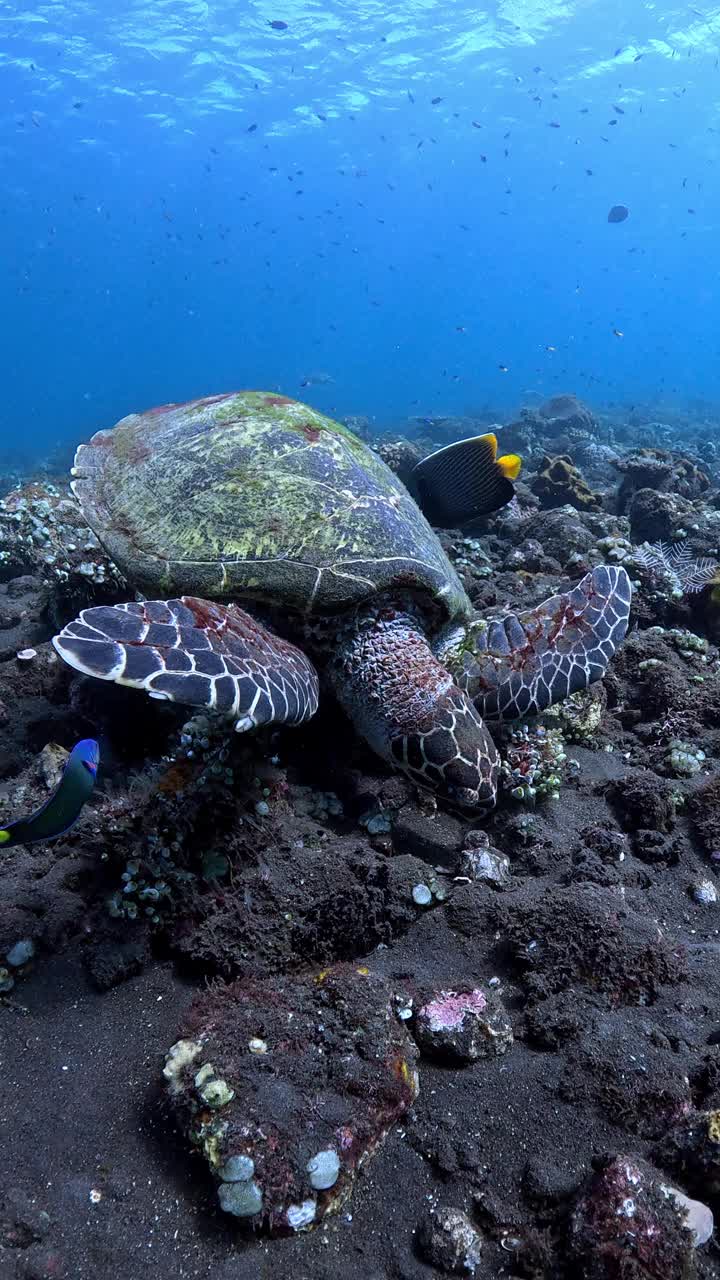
(300, 1216)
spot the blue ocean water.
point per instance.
(404, 208)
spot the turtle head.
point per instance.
(405, 704)
(451, 752)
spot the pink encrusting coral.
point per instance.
(461, 1026)
(451, 1007)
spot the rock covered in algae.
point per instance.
(288, 1086)
(626, 1224)
(559, 483)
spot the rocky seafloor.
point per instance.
(268, 1010)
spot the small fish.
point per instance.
(620, 110)
(618, 333)
(464, 480)
(503, 368)
(65, 805)
(476, 124)
(549, 348)
(618, 213)
(553, 124)
(278, 25)
(251, 128)
(316, 380)
(434, 101)
(410, 96)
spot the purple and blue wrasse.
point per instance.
(64, 806)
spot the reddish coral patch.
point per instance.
(277, 400)
(177, 778)
(184, 404)
(161, 408)
(310, 432)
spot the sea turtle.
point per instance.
(257, 496)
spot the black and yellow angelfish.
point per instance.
(464, 480)
(65, 804)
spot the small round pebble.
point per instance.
(421, 895)
(237, 1169)
(243, 1199)
(23, 951)
(324, 1169)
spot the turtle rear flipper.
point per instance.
(526, 662)
(196, 652)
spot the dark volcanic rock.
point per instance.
(22, 606)
(449, 1241)
(691, 1150)
(705, 814)
(586, 934)
(656, 517)
(642, 800)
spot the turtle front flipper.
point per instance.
(523, 663)
(196, 652)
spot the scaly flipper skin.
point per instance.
(523, 663)
(196, 652)
(407, 707)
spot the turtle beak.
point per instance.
(481, 798)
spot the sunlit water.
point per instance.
(403, 207)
